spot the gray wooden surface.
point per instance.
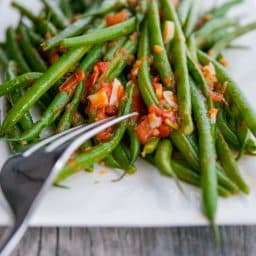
(236, 241)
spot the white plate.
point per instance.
(146, 198)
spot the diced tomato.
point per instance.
(99, 99)
(120, 92)
(164, 130)
(98, 69)
(111, 110)
(156, 79)
(138, 104)
(171, 115)
(100, 114)
(117, 18)
(70, 83)
(102, 66)
(216, 96)
(54, 58)
(107, 88)
(91, 80)
(144, 131)
(154, 109)
(105, 135)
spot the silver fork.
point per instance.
(26, 177)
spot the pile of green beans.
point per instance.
(59, 59)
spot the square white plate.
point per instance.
(146, 198)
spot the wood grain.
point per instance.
(236, 241)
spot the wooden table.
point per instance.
(236, 241)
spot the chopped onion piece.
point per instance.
(99, 99)
(168, 31)
(114, 94)
(170, 99)
(154, 120)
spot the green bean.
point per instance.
(183, 10)
(141, 11)
(66, 120)
(3, 58)
(181, 69)
(190, 177)
(150, 147)
(233, 92)
(26, 121)
(190, 152)
(144, 79)
(184, 173)
(161, 61)
(229, 164)
(120, 155)
(44, 101)
(105, 7)
(115, 45)
(14, 51)
(49, 116)
(80, 5)
(86, 146)
(91, 58)
(251, 146)
(72, 30)
(59, 102)
(58, 17)
(163, 158)
(207, 155)
(118, 63)
(229, 37)
(42, 25)
(223, 9)
(212, 27)
(247, 143)
(32, 56)
(239, 47)
(209, 42)
(35, 38)
(102, 35)
(227, 132)
(19, 82)
(2, 45)
(192, 47)
(14, 146)
(191, 20)
(243, 134)
(78, 119)
(99, 152)
(134, 145)
(66, 8)
(111, 162)
(199, 78)
(42, 85)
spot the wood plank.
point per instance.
(48, 242)
(193, 241)
(29, 245)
